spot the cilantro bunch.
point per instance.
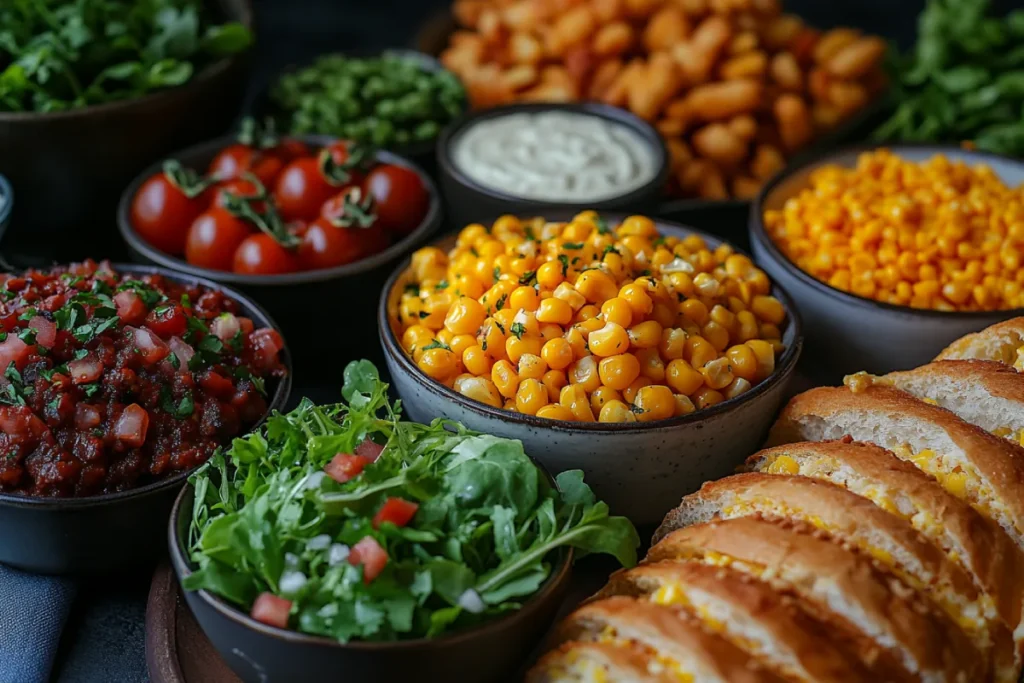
(488, 531)
(64, 54)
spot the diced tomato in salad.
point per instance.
(369, 449)
(271, 610)
(368, 553)
(398, 511)
(345, 467)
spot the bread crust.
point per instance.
(847, 517)
(986, 551)
(800, 559)
(623, 664)
(673, 632)
(999, 462)
(997, 378)
(1009, 333)
(800, 647)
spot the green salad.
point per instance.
(63, 54)
(389, 101)
(964, 79)
(344, 521)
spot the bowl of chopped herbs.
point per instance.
(398, 100)
(342, 538)
(91, 91)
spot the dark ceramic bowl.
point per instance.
(258, 653)
(6, 204)
(69, 167)
(640, 469)
(317, 307)
(116, 531)
(471, 202)
(421, 153)
(848, 333)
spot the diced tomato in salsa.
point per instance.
(271, 610)
(345, 467)
(395, 510)
(368, 553)
(110, 393)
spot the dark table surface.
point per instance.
(104, 638)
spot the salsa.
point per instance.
(109, 382)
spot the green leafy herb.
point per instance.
(572, 246)
(443, 284)
(412, 288)
(528, 278)
(518, 329)
(602, 225)
(564, 260)
(388, 101)
(64, 54)
(437, 344)
(964, 79)
(487, 533)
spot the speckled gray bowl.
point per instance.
(640, 469)
(845, 332)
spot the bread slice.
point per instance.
(984, 393)
(593, 662)
(844, 587)
(1002, 342)
(984, 470)
(843, 515)
(974, 542)
(750, 614)
(675, 637)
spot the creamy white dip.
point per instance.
(555, 156)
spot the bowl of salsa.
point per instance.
(115, 383)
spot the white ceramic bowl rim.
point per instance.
(759, 233)
(783, 368)
(429, 223)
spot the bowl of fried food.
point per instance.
(736, 89)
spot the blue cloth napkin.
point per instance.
(33, 610)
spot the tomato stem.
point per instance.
(268, 222)
(360, 158)
(187, 180)
(357, 211)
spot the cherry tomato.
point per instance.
(236, 159)
(162, 214)
(261, 254)
(341, 152)
(402, 199)
(240, 187)
(290, 149)
(301, 190)
(213, 239)
(372, 238)
(327, 246)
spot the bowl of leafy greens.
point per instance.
(91, 91)
(341, 538)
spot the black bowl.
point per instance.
(471, 202)
(68, 167)
(6, 204)
(115, 531)
(258, 653)
(321, 303)
(421, 153)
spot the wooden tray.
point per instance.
(177, 650)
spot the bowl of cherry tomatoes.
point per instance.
(293, 221)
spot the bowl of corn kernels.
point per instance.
(892, 253)
(650, 355)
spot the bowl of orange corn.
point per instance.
(649, 354)
(892, 253)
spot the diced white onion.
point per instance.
(292, 582)
(471, 602)
(678, 265)
(337, 554)
(318, 542)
